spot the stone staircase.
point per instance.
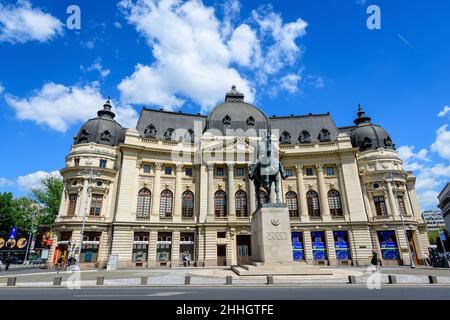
(285, 269)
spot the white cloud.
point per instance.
(444, 112)
(33, 180)
(4, 182)
(58, 106)
(97, 66)
(21, 23)
(197, 55)
(442, 143)
(407, 153)
(290, 82)
(428, 199)
(2, 89)
(118, 25)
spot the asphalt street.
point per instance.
(231, 293)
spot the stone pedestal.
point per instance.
(271, 235)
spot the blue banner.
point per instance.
(319, 247)
(388, 245)
(342, 245)
(297, 246)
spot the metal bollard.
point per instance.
(57, 281)
(392, 279)
(432, 279)
(100, 281)
(229, 280)
(187, 280)
(144, 281)
(270, 279)
(12, 282)
(351, 280)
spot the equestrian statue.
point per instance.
(266, 170)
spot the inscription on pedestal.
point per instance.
(276, 236)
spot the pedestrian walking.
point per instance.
(8, 261)
(59, 264)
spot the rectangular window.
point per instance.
(189, 172)
(341, 244)
(289, 172)
(72, 204)
(96, 205)
(76, 162)
(329, 171)
(140, 246)
(309, 172)
(102, 163)
(319, 247)
(297, 246)
(380, 206)
(220, 172)
(401, 205)
(147, 168)
(239, 172)
(221, 235)
(168, 171)
(164, 247)
(388, 245)
(187, 246)
(91, 243)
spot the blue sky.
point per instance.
(289, 57)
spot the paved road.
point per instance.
(230, 293)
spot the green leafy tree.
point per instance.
(26, 214)
(6, 211)
(48, 196)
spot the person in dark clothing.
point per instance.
(374, 260)
(60, 263)
(8, 261)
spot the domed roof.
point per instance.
(368, 136)
(102, 130)
(235, 114)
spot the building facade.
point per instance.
(433, 219)
(178, 185)
(444, 204)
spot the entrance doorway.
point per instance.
(410, 234)
(244, 253)
(221, 255)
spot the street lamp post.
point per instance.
(92, 173)
(390, 177)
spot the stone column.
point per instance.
(175, 255)
(307, 247)
(251, 197)
(178, 193)
(230, 197)
(368, 201)
(210, 168)
(343, 191)
(392, 201)
(301, 192)
(152, 248)
(156, 192)
(84, 198)
(323, 194)
(330, 247)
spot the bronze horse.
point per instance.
(264, 172)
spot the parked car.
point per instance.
(38, 262)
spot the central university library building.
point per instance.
(177, 184)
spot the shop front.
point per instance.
(187, 247)
(342, 247)
(63, 247)
(319, 247)
(164, 249)
(390, 253)
(90, 249)
(140, 248)
(297, 246)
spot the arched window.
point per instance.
(285, 138)
(226, 120)
(105, 136)
(83, 136)
(334, 201)
(187, 204)
(241, 204)
(312, 198)
(304, 137)
(150, 131)
(324, 135)
(189, 136)
(168, 135)
(292, 204)
(220, 203)
(250, 121)
(143, 205)
(165, 204)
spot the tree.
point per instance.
(6, 211)
(49, 197)
(26, 214)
